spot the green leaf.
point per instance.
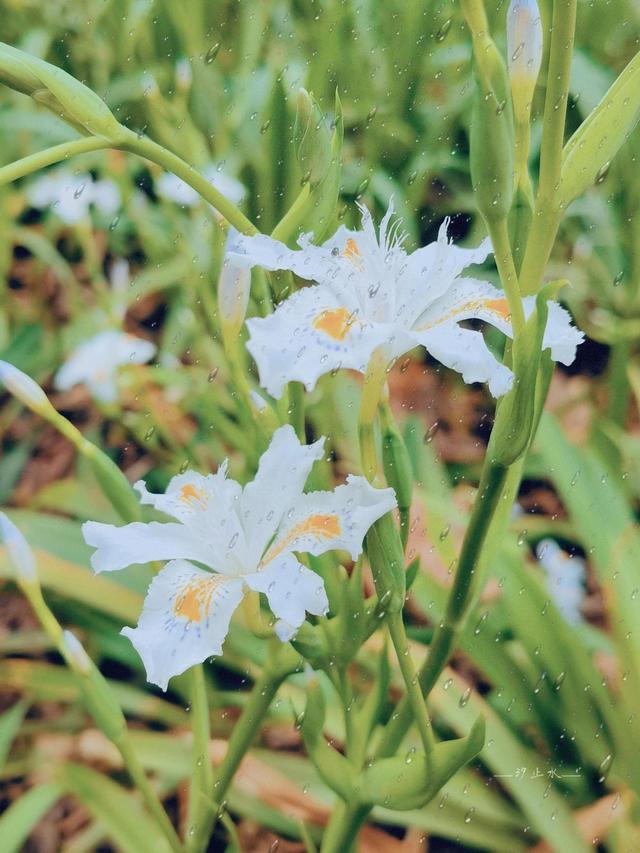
(10, 723)
(596, 142)
(17, 822)
(334, 768)
(544, 807)
(123, 818)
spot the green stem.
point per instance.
(200, 817)
(488, 514)
(618, 388)
(460, 600)
(147, 148)
(506, 268)
(372, 389)
(414, 695)
(290, 222)
(254, 712)
(341, 830)
(55, 154)
(546, 216)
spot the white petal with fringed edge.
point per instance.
(244, 539)
(371, 294)
(328, 521)
(185, 618)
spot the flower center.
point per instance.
(335, 323)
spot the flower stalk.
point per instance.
(547, 212)
(199, 818)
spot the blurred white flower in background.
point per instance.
(71, 196)
(95, 362)
(565, 577)
(172, 188)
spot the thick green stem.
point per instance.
(372, 389)
(200, 817)
(342, 828)
(547, 215)
(151, 150)
(414, 695)
(42, 159)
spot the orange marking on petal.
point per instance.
(351, 250)
(496, 306)
(335, 323)
(194, 601)
(190, 494)
(319, 525)
(499, 306)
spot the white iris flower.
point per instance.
(240, 538)
(371, 294)
(95, 363)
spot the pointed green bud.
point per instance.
(386, 557)
(520, 219)
(492, 136)
(515, 420)
(311, 139)
(52, 87)
(587, 155)
(409, 782)
(397, 469)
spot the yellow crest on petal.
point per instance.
(335, 323)
(194, 600)
(320, 526)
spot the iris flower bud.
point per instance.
(24, 388)
(234, 287)
(524, 46)
(19, 551)
(65, 96)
